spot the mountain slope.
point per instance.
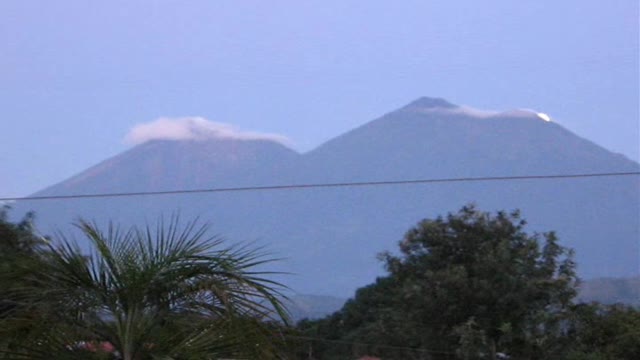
(430, 138)
(329, 237)
(189, 164)
(433, 138)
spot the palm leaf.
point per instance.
(169, 291)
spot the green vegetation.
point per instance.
(19, 246)
(166, 293)
(603, 332)
(473, 285)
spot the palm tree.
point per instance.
(168, 292)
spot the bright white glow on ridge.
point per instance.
(544, 116)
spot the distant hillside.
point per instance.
(329, 237)
(611, 291)
(604, 290)
(313, 306)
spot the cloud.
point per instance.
(523, 113)
(486, 114)
(460, 110)
(479, 113)
(194, 128)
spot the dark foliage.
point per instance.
(469, 285)
(169, 292)
(603, 332)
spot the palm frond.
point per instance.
(167, 290)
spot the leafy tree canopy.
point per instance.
(17, 239)
(19, 244)
(604, 332)
(469, 285)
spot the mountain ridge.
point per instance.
(329, 237)
(219, 152)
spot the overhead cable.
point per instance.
(321, 185)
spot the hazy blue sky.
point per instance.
(76, 76)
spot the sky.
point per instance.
(76, 77)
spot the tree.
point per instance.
(603, 332)
(469, 285)
(19, 239)
(168, 292)
(19, 245)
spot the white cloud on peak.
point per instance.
(479, 113)
(487, 114)
(194, 128)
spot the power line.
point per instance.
(320, 185)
